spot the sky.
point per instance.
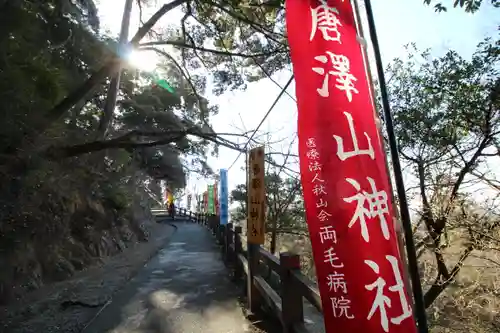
(398, 22)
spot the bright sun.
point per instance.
(143, 60)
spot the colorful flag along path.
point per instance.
(211, 202)
(343, 174)
(163, 84)
(216, 198)
(205, 202)
(223, 198)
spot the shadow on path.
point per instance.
(184, 289)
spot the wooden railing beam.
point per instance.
(238, 267)
(293, 305)
(271, 261)
(228, 242)
(286, 301)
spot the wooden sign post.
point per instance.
(256, 197)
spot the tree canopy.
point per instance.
(284, 202)
(470, 6)
(447, 121)
(60, 180)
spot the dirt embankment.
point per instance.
(67, 306)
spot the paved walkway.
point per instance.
(184, 289)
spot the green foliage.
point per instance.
(470, 6)
(284, 203)
(247, 41)
(63, 187)
(239, 195)
(43, 62)
(443, 103)
(447, 120)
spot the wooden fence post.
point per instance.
(228, 240)
(221, 239)
(221, 230)
(238, 248)
(253, 296)
(291, 300)
(215, 227)
(212, 224)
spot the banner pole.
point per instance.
(398, 175)
(397, 220)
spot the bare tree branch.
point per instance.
(126, 141)
(199, 48)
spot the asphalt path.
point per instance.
(185, 288)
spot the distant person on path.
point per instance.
(171, 210)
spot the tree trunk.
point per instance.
(434, 291)
(439, 285)
(114, 86)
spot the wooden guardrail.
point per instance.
(275, 283)
(182, 213)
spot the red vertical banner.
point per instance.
(205, 202)
(216, 198)
(343, 174)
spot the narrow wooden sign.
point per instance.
(256, 197)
